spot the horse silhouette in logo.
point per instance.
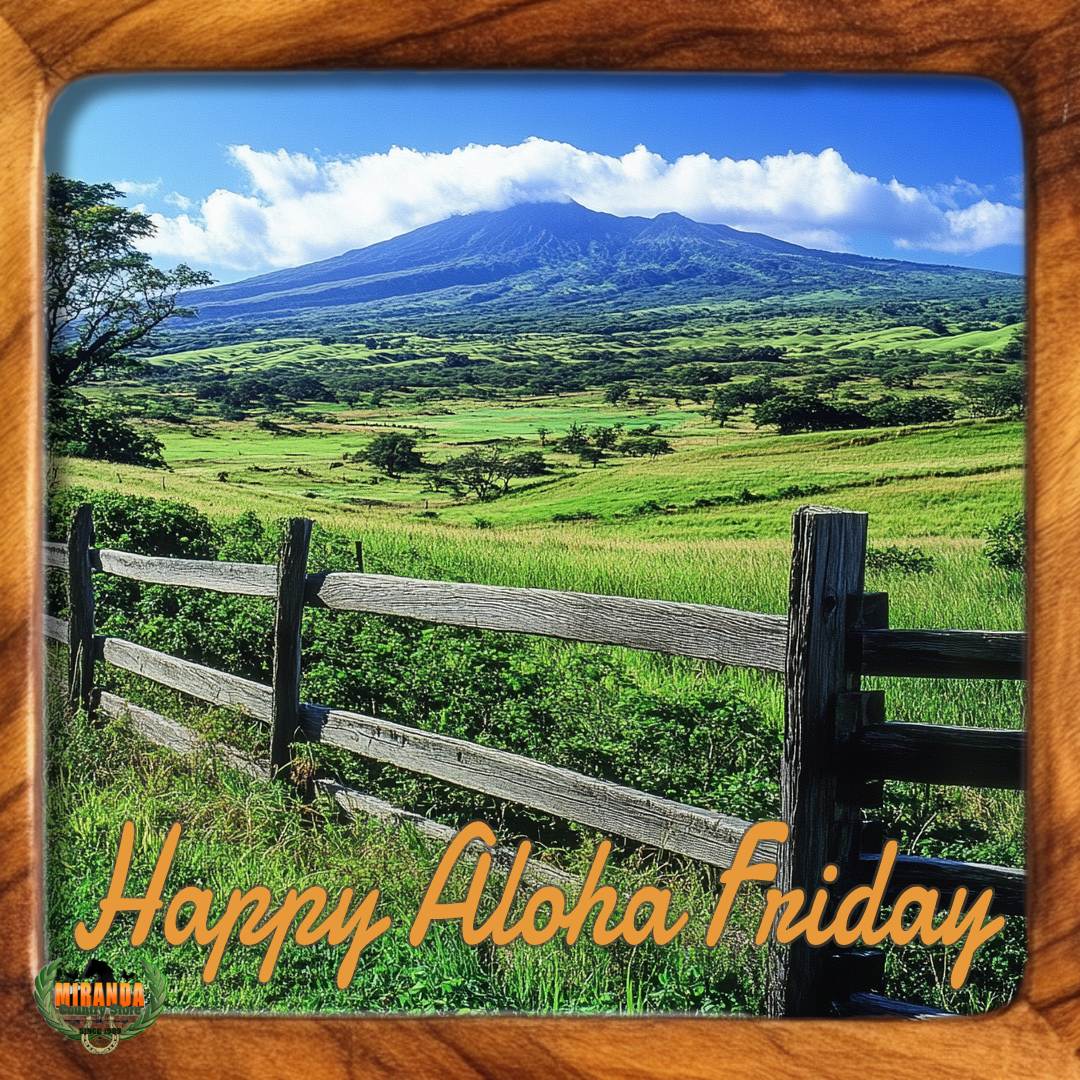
(98, 1006)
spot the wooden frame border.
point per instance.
(1027, 46)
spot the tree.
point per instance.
(393, 453)
(1002, 395)
(723, 407)
(529, 463)
(575, 438)
(616, 393)
(543, 432)
(903, 378)
(604, 438)
(1016, 348)
(80, 429)
(438, 479)
(479, 471)
(645, 446)
(790, 413)
(919, 409)
(102, 294)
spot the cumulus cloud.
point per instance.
(181, 202)
(296, 209)
(140, 188)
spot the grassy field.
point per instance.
(239, 833)
(709, 523)
(937, 481)
(937, 487)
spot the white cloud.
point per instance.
(181, 202)
(137, 187)
(296, 209)
(951, 195)
(981, 225)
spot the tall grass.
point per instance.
(239, 832)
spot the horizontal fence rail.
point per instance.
(162, 731)
(939, 754)
(207, 684)
(56, 555)
(821, 647)
(700, 631)
(742, 638)
(704, 835)
(240, 579)
(868, 1004)
(57, 629)
(944, 654)
(947, 875)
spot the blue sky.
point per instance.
(244, 174)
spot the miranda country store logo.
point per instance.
(98, 1007)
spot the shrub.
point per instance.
(919, 409)
(645, 446)
(907, 561)
(1006, 543)
(132, 523)
(77, 428)
(792, 413)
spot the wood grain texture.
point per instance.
(1009, 884)
(824, 598)
(175, 736)
(57, 629)
(954, 654)
(745, 638)
(1030, 47)
(864, 1004)
(288, 615)
(705, 835)
(940, 754)
(241, 579)
(206, 684)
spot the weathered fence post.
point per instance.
(288, 616)
(828, 557)
(81, 646)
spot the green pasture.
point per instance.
(945, 481)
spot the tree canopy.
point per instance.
(393, 453)
(102, 294)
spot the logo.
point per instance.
(97, 1007)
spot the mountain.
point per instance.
(534, 260)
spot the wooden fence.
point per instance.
(838, 746)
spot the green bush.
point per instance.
(77, 428)
(133, 523)
(1006, 543)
